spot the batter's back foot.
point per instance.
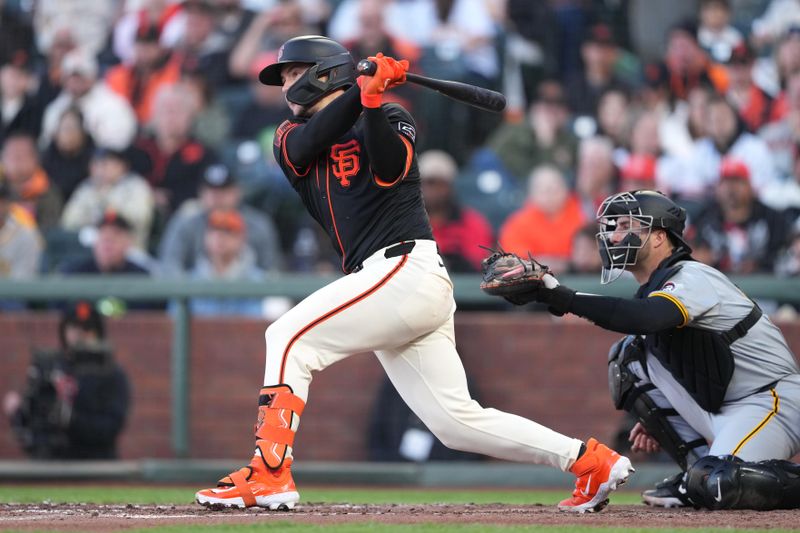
(600, 471)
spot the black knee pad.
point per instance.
(727, 482)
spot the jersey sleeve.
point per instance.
(691, 293)
(397, 122)
(401, 120)
(279, 150)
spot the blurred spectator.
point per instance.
(169, 158)
(50, 80)
(226, 257)
(614, 117)
(778, 17)
(110, 252)
(783, 137)
(545, 137)
(77, 397)
(30, 186)
(755, 105)
(787, 62)
(584, 257)
(716, 35)
(66, 160)
(397, 434)
(212, 122)
(16, 34)
(638, 172)
(726, 135)
(599, 53)
(596, 175)
(90, 21)
(200, 48)
(546, 224)
(19, 110)
(182, 246)
(233, 19)
(264, 112)
(111, 186)
(459, 231)
(269, 29)
(687, 63)
(20, 244)
(163, 14)
(152, 67)
(107, 116)
(529, 51)
(785, 194)
(373, 38)
(737, 233)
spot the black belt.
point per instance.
(396, 250)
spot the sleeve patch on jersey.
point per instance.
(408, 130)
(282, 130)
(668, 286)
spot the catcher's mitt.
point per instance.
(508, 275)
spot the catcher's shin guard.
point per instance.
(277, 407)
(727, 482)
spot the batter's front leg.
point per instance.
(429, 376)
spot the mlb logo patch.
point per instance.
(668, 286)
(407, 130)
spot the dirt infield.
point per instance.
(82, 517)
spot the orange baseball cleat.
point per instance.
(254, 486)
(600, 470)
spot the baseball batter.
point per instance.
(351, 159)
(710, 378)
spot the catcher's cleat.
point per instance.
(669, 493)
(600, 470)
(253, 486)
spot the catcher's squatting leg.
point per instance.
(402, 309)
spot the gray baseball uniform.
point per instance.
(760, 416)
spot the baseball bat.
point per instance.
(473, 95)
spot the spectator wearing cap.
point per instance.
(66, 160)
(638, 172)
(544, 137)
(152, 67)
(168, 156)
(111, 186)
(715, 33)
(599, 53)
(547, 222)
(754, 104)
(110, 252)
(166, 16)
(30, 186)
(20, 243)
(108, 117)
(726, 135)
(201, 48)
(182, 245)
(737, 233)
(459, 231)
(19, 110)
(227, 257)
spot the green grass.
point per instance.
(167, 495)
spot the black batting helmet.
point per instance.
(326, 57)
(652, 210)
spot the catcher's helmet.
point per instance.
(326, 57)
(650, 209)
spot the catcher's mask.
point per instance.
(626, 221)
(325, 56)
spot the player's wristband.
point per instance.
(372, 101)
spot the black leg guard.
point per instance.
(727, 482)
(633, 398)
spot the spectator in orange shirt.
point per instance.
(459, 231)
(153, 67)
(546, 224)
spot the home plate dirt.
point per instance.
(86, 517)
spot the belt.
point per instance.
(396, 250)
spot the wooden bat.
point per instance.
(473, 95)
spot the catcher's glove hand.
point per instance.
(516, 279)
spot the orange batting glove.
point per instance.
(390, 73)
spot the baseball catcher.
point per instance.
(710, 378)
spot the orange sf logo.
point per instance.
(346, 162)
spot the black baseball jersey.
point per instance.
(360, 211)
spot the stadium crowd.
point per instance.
(135, 137)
